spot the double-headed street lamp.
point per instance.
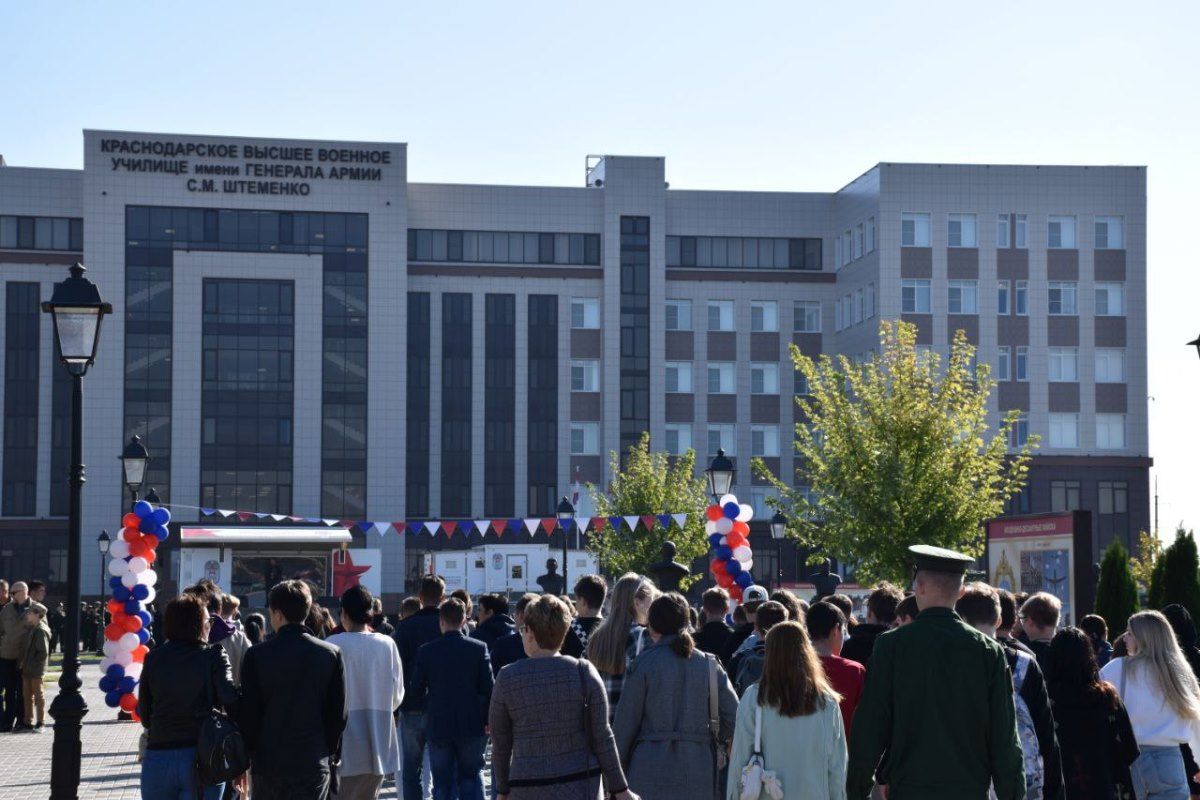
(566, 511)
(778, 532)
(77, 311)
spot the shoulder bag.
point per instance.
(755, 775)
(714, 713)
(221, 753)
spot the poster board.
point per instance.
(1044, 553)
(360, 567)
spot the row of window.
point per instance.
(854, 308)
(245, 230)
(720, 377)
(1113, 497)
(854, 243)
(740, 252)
(1062, 364)
(962, 297)
(1011, 231)
(1063, 431)
(764, 439)
(503, 247)
(764, 315)
(41, 233)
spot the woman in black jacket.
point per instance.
(1094, 734)
(1185, 634)
(181, 681)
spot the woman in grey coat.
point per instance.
(664, 735)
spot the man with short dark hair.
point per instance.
(827, 627)
(454, 675)
(714, 630)
(906, 611)
(508, 649)
(590, 591)
(747, 665)
(494, 621)
(293, 703)
(1008, 620)
(881, 613)
(37, 592)
(412, 633)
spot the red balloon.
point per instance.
(150, 556)
(131, 534)
(115, 606)
(129, 702)
(113, 631)
(150, 541)
(725, 582)
(138, 548)
(741, 527)
(735, 592)
(135, 716)
(140, 652)
(735, 539)
(714, 513)
(130, 520)
(132, 623)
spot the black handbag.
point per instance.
(221, 753)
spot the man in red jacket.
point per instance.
(826, 626)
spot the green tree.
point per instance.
(1116, 593)
(651, 482)
(1178, 578)
(897, 452)
(1149, 549)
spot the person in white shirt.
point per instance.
(374, 689)
(1163, 699)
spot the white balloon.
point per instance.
(742, 553)
(105, 663)
(111, 648)
(148, 578)
(747, 565)
(124, 659)
(137, 565)
(117, 567)
(129, 641)
(119, 548)
(724, 525)
(724, 541)
(150, 595)
(710, 528)
(746, 514)
(727, 498)
(129, 580)
(134, 670)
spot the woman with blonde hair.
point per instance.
(1163, 699)
(622, 636)
(792, 702)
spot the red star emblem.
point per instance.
(345, 573)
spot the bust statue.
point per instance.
(667, 572)
(825, 581)
(551, 582)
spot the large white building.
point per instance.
(301, 331)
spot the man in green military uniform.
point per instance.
(938, 701)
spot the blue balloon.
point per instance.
(145, 616)
(161, 532)
(115, 584)
(132, 606)
(147, 525)
(126, 684)
(734, 568)
(140, 592)
(112, 699)
(724, 552)
(715, 540)
(120, 592)
(107, 684)
(161, 516)
(143, 509)
(143, 636)
(732, 510)
(115, 671)
(744, 580)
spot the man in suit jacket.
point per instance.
(455, 673)
(411, 633)
(293, 704)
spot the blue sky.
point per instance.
(772, 96)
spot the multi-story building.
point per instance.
(299, 330)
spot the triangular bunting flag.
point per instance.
(432, 527)
(531, 525)
(348, 524)
(465, 526)
(549, 524)
(244, 515)
(665, 520)
(330, 522)
(261, 514)
(648, 522)
(680, 519)
(278, 517)
(296, 519)
(616, 523)
(498, 526)
(225, 513)
(632, 522)
(581, 524)
(415, 528)
(448, 528)
(481, 526)
(381, 528)
(598, 523)
(208, 512)
(515, 525)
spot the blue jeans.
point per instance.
(412, 754)
(1158, 774)
(457, 768)
(170, 775)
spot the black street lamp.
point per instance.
(77, 311)
(778, 532)
(566, 510)
(133, 463)
(720, 474)
(1196, 344)
(102, 544)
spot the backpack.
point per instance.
(221, 753)
(749, 670)
(1026, 732)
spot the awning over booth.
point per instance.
(263, 535)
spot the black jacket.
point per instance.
(1097, 742)
(1034, 693)
(712, 636)
(293, 703)
(506, 650)
(578, 635)
(732, 642)
(861, 643)
(174, 690)
(421, 628)
(456, 673)
(493, 628)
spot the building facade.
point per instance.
(299, 330)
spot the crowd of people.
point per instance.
(953, 690)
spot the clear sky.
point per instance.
(775, 96)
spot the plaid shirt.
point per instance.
(613, 684)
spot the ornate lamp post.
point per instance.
(778, 531)
(566, 511)
(102, 544)
(133, 464)
(720, 474)
(77, 311)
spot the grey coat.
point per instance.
(662, 728)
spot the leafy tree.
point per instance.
(651, 482)
(897, 453)
(1116, 593)
(1179, 580)
(1149, 550)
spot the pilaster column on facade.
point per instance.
(478, 391)
(521, 401)
(435, 406)
(47, 365)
